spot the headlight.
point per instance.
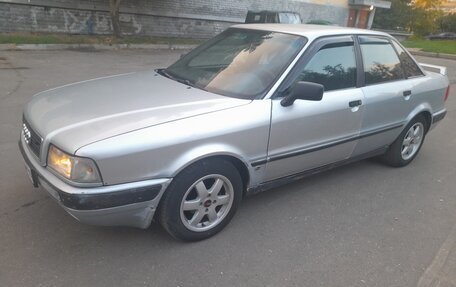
(77, 169)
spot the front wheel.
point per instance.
(201, 200)
(405, 148)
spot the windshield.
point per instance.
(238, 63)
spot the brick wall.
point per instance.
(172, 18)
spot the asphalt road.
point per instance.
(364, 224)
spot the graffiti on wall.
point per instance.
(79, 22)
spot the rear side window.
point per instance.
(411, 69)
(333, 66)
(381, 63)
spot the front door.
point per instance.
(310, 134)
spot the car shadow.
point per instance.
(253, 207)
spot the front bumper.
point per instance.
(130, 204)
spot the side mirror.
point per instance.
(303, 91)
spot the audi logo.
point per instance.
(27, 134)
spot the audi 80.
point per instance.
(257, 106)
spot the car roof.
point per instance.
(309, 31)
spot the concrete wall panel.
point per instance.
(171, 18)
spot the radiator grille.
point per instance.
(32, 139)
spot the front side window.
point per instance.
(381, 63)
(411, 69)
(238, 63)
(333, 66)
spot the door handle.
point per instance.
(407, 93)
(353, 104)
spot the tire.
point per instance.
(201, 200)
(407, 145)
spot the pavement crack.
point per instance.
(28, 204)
(434, 275)
(7, 65)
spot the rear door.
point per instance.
(387, 94)
(310, 134)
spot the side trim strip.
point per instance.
(259, 162)
(381, 130)
(328, 145)
(438, 117)
(312, 149)
(290, 178)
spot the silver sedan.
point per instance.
(253, 108)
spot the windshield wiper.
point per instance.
(163, 72)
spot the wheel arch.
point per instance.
(428, 117)
(240, 166)
(234, 159)
(424, 110)
(239, 163)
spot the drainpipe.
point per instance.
(371, 18)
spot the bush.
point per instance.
(447, 23)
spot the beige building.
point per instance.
(362, 12)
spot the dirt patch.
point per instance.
(5, 65)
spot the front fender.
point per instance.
(162, 151)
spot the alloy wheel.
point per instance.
(412, 141)
(207, 202)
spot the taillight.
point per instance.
(447, 93)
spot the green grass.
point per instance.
(436, 46)
(39, 38)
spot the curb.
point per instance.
(433, 55)
(51, 47)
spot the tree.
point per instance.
(396, 18)
(417, 16)
(448, 23)
(425, 21)
(427, 4)
(114, 10)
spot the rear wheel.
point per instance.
(201, 200)
(405, 148)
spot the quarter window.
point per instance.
(333, 66)
(381, 63)
(411, 69)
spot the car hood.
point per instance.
(78, 114)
